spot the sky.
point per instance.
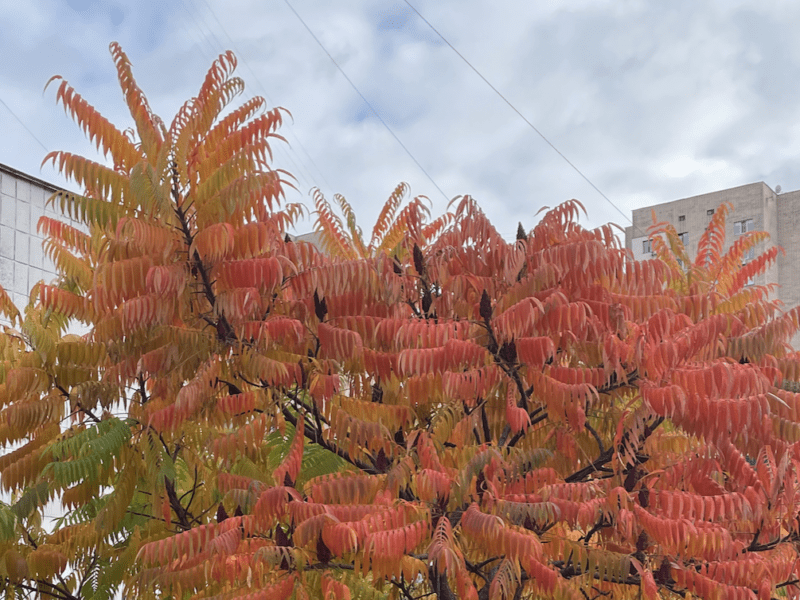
(652, 101)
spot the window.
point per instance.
(682, 219)
(684, 237)
(740, 227)
(710, 212)
(647, 246)
(749, 255)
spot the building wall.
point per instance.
(22, 258)
(789, 239)
(777, 214)
(753, 201)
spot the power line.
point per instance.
(199, 29)
(307, 175)
(367, 102)
(264, 89)
(298, 172)
(33, 135)
(531, 125)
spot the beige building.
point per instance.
(756, 207)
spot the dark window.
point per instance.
(740, 227)
(710, 212)
(681, 218)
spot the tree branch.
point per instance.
(184, 518)
(55, 593)
(85, 411)
(316, 436)
(440, 585)
(225, 332)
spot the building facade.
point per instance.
(756, 207)
(22, 258)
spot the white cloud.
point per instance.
(652, 101)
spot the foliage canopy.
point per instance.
(432, 411)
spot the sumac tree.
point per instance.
(435, 412)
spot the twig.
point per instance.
(316, 436)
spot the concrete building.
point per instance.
(22, 258)
(756, 207)
(23, 261)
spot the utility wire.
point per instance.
(512, 107)
(13, 114)
(216, 47)
(264, 89)
(367, 102)
(214, 51)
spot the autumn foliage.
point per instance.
(433, 412)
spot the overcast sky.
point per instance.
(651, 100)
